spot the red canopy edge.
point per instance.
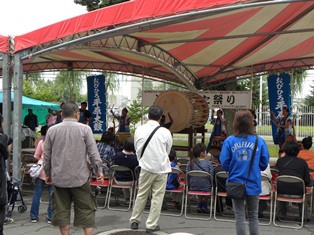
(4, 44)
(126, 12)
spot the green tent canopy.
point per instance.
(40, 108)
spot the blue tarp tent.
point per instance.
(39, 107)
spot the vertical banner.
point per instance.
(279, 95)
(97, 102)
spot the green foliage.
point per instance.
(37, 88)
(66, 86)
(246, 84)
(136, 112)
(111, 83)
(309, 99)
(97, 4)
(298, 76)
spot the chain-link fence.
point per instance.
(303, 117)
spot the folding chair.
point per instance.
(182, 167)
(268, 198)
(181, 161)
(27, 161)
(101, 185)
(309, 194)
(309, 191)
(289, 181)
(190, 193)
(113, 184)
(180, 190)
(220, 177)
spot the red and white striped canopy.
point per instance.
(4, 44)
(196, 43)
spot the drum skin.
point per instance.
(187, 109)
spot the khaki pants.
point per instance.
(156, 184)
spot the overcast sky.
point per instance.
(23, 16)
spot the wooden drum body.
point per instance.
(121, 137)
(186, 109)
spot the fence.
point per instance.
(303, 117)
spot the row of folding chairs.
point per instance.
(216, 192)
(109, 187)
(187, 196)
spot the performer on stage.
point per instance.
(124, 120)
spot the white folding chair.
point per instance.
(114, 184)
(100, 186)
(289, 181)
(179, 190)
(220, 177)
(190, 193)
(268, 198)
(181, 161)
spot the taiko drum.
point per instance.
(187, 109)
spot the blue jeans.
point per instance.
(252, 210)
(39, 184)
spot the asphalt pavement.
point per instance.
(110, 222)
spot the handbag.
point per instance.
(236, 190)
(36, 169)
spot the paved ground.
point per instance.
(107, 220)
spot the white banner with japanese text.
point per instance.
(214, 99)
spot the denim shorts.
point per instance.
(84, 206)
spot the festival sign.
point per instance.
(279, 95)
(214, 99)
(97, 102)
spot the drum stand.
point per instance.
(194, 133)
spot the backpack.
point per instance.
(36, 169)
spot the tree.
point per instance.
(246, 84)
(66, 86)
(136, 112)
(111, 83)
(309, 99)
(97, 4)
(298, 76)
(36, 87)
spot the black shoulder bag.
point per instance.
(237, 190)
(147, 141)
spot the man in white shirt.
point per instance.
(155, 166)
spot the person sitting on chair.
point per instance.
(291, 165)
(198, 162)
(306, 154)
(126, 158)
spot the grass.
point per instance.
(180, 141)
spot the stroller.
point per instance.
(14, 195)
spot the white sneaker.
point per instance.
(8, 220)
(34, 220)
